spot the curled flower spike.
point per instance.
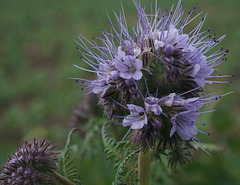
(31, 164)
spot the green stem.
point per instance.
(144, 168)
(61, 179)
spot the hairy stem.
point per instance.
(61, 179)
(144, 168)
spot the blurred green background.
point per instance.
(37, 50)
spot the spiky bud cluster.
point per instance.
(31, 164)
(153, 79)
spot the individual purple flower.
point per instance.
(173, 100)
(98, 86)
(129, 67)
(32, 163)
(146, 123)
(183, 124)
(170, 39)
(137, 118)
(152, 105)
(183, 114)
(120, 53)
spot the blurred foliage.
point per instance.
(37, 50)
(69, 167)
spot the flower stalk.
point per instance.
(62, 179)
(144, 168)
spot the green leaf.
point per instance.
(121, 168)
(69, 167)
(122, 153)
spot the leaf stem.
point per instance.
(62, 179)
(144, 168)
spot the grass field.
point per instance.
(37, 50)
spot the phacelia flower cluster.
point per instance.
(153, 78)
(31, 164)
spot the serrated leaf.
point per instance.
(121, 153)
(69, 167)
(121, 167)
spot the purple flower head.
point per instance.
(158, 44)
(31, 164)
(158, 54)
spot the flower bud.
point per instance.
(31, 164)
